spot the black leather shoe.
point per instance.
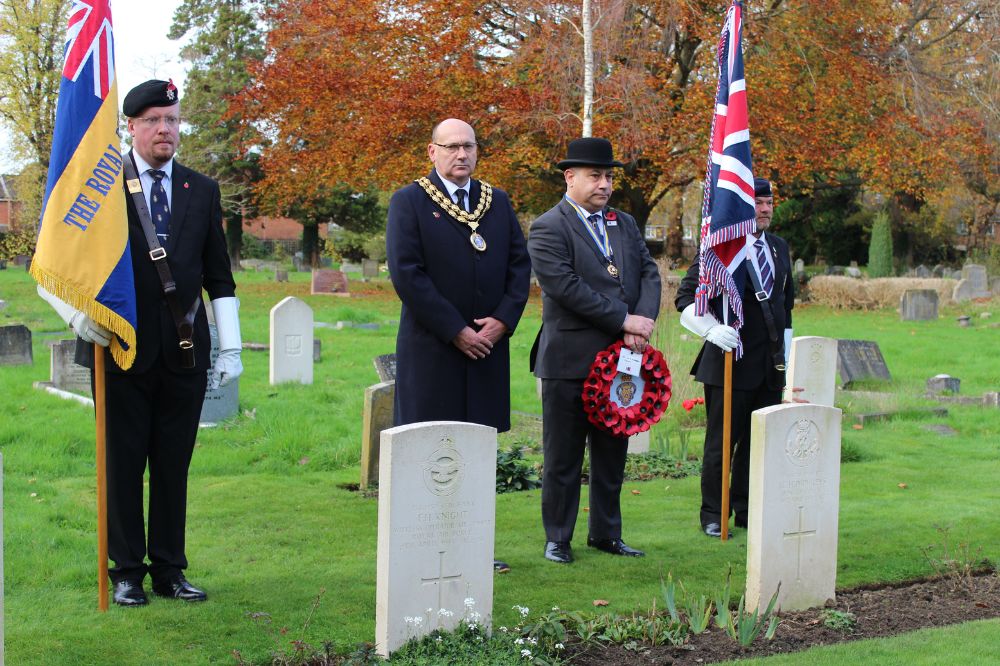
(615, 547)
(178, 588)
(128, 593)
(741, 523)
(558, 551)
(712, 530)
(501, 567)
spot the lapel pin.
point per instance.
(186, 186)
(437, 214)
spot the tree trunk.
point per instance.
(234, 238)
(675, 230)
(310, 244)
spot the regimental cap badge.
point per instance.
(171, 90)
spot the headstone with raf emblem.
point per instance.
(436, 519)
(793, 508)
(291, 342)
(812, 367)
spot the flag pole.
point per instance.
(727, 431)
(100, 410)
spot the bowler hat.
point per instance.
(589, 151)
(151, 93)
(761, 187)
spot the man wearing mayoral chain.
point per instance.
(599, 285)
(458, 262)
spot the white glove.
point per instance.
(228, 365)
(706, 326)
(85, 328)
(788, 345)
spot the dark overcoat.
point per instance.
(198, 258)
(444, 283)
(756, 366)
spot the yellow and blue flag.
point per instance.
(82, 254)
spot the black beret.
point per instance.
(151, 93)
(761, 187)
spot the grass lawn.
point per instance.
(286, 552)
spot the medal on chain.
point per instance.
(471, 219)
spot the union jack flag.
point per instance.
(89, 36)
(728, 212)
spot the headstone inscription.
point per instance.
(291, 342)
(794, 502)
(858, 360)
(812, 367)
(385, 366)
(436, 520)
(15, 345)
(64, 373)
(329, 282)
(918, 305)
(223, 402)
(376, 415)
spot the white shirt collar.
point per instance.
(586, 214)
(141, 166)
(452, 187)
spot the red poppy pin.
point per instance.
(186, 186)
(436, 214)
(610, 216)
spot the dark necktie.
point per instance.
(158, 208)
(460, 195)
(766, 279)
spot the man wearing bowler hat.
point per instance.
(153, 408)
(599, 285)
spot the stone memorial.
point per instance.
(224, 402)
(369, 268)
(317, 350)
(794, 505)
(812, 367)
(800, 266)
(639, 443)
(291, 342)
(852, 271)
(385, 366)
(376, 416)
(64, 373)
(281, 275)
(941, 383)
(918, 305)
(922, 271)
(436, 521)
(977, 277)
(348, 267)
(859, 360)
(329, 282)
(15, 345)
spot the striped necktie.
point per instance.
(595, 223)
(158, 208)
(766, 278)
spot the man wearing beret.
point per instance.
(599, 285)
(759, 375)
(154, 407)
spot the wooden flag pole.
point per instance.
(100, 410)
(727, 432)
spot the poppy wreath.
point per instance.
(603, 412)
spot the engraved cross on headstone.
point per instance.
(798, 539)
(439, 581)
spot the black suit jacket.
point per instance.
(198, 259)
(444, 284)
(583, 306)
(756, 367)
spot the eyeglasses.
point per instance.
(154, 121)
(452, 148)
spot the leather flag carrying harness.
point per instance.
(184, 322)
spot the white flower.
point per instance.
(479, 639)
(555, 608)
(470, 602)
(533, 641)
(560, 646)
(523, 610)
(503, 629)
(526, 654)
(438, 639)
(518, 641)
(475, 617)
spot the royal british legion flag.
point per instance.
(728, 212)
(82, 254)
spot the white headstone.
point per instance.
(977, 277)
(436, 519)
(812, 366)
(639, 443)
(291, 342)
(794, 502)
(64, 373)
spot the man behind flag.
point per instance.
(169, 247)
(742, 277)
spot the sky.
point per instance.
(142, 52)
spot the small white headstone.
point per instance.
(291, 342)
(812, 367)
(436, 519)
(639, 443)
(794, 503)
